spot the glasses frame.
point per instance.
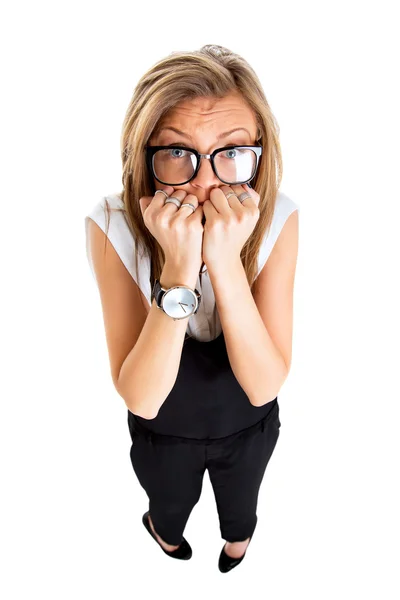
(151, 150)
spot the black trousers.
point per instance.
(170, 469)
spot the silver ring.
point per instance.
(174, 200)
(188, 204)
(230, 194)
(162, 191)
(244, 196)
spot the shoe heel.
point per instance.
(184, 552)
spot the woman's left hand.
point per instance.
(228, 225)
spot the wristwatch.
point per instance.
(178, 302)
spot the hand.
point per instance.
(229, 224)
(179, 231)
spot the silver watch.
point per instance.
(178, 302)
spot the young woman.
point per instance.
(196, 270)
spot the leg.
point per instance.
(172, 476)
(236, 468)
(160, 540)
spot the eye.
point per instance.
(231, 153)
(174, 152)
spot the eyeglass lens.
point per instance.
(175, 165)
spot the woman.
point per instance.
(198, 323)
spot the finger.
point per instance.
(246, 202)
(144, 202)
(159, 199)
(187, 210)
(255, 196)
(227, 198)
(171, 206)
(209, 209)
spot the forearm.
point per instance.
(255, 361)
(149, 372)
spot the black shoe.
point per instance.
(227, 563)
(184, 552)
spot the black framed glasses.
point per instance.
(177, 165)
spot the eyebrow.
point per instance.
(219, 137)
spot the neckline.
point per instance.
(220, 335)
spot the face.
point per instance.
(203, 120)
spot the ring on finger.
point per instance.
(162, 191)
(244, 197)
(188, 204)
(174, 200)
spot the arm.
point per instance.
(258, 331)
(149, 372)
(144, 344)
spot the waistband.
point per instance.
(137, 428)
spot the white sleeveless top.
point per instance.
(205, 325)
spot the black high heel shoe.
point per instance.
(227, 563)
(184, 552)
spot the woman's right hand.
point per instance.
(179, 231)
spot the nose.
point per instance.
(205, 178)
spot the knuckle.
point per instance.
(193, 225)
(162, 221)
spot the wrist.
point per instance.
(172, 276)
(225, 266)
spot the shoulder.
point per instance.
(109, 214)
(108, 211)
(284, 207)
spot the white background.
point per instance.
(71, 505)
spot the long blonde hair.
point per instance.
(214, 72)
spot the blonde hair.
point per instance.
(214, 72)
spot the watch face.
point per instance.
(179, 302)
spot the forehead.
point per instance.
(213, 112)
